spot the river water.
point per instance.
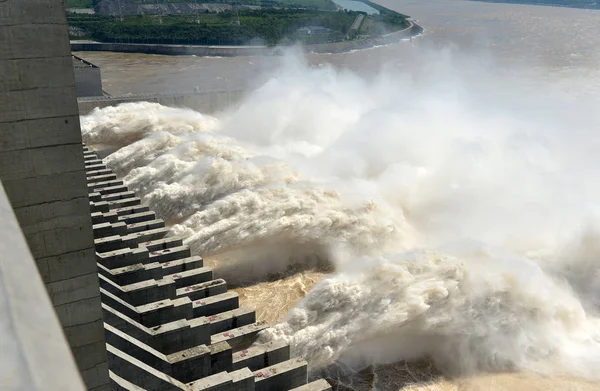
(433, 201)
(549, 39)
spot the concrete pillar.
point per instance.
(42, 170)
(33, 349)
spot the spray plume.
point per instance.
(457, 205)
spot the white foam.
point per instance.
(496, 177)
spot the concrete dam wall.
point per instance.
(204, 102)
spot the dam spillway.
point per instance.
(169, 324)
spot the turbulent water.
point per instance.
(457, 207)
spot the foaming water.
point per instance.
(457, 206)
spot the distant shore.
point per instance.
(228, 51)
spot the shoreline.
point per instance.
(412, 31)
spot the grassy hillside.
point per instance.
(267, 25)
(240, 28)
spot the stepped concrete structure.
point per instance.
(94, 293)
(169, 324)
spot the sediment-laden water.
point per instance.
(431, 224)
(455, 211)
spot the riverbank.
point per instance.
(229, 51)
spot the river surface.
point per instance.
(536, 47)
(550, 40)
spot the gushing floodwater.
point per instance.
(456, 207)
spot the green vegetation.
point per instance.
(327, 5)
(81, 3)
(315, 4)
(268, 26)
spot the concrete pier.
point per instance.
(33, 350)
(42, 170)
(168, 323)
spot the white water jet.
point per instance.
(457, 206)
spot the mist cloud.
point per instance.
(454, 201)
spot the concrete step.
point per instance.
(215, 304)
(229, 320)
(96, 171)
(152, 235)
(152, 314)
(220, 354)
(170, 254)
(317, 385)
(102, 207)
(167, 338)
(143, 375)
(101, 178)
(93, 167)
(241, 380)
(283, 376)
(146, 270)
(145, 225)
(95, 197)
(109, 229)
(118, 196)
(111, 189)
(240, 337)
(117, 242)
(117, 204)
(190, 279)
(151, 290)
(103, 184)
(92, 162)
(161, 243)
(110, 244)
(261, 356)
(203, 289)
(121, 257)
(120, 384)
(129, 210)
(185, 366)
(137, 217)
(109, 217)
(140, 293)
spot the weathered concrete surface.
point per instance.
(204, 102)
(88, 79)
(317, 385)
(33, 350)
(41, 166)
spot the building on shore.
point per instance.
(313, 30)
